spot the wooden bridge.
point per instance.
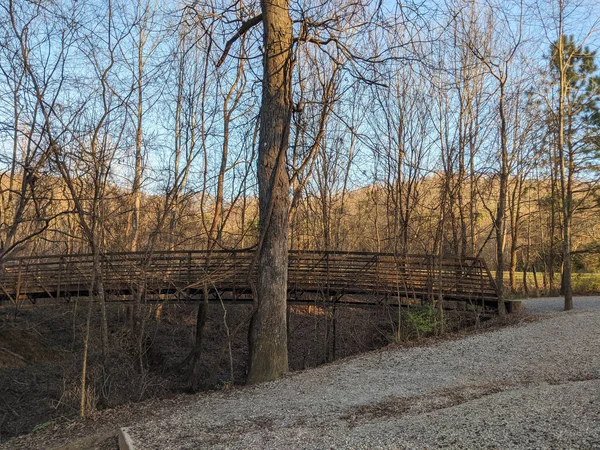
(357, 278)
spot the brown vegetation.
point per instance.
(454, 131)
(41, 353)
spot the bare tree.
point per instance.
(499, 66)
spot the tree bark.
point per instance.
(500, 215)
(136, 189)
(565, 178)
(268, 357)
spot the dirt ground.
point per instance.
(54, 423)
(41, 356)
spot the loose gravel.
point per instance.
(536, 385)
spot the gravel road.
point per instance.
(536, 385)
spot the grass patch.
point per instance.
(583, 283)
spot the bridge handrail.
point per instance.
(327, 271)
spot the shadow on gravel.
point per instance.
(420, 404)
(396, 407)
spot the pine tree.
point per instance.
(576, 127)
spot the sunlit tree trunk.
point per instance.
(268, 357)
(565, 174)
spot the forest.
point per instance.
(457, 128)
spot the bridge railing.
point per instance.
(328, 273)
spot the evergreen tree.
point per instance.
(576, 127)
(582, 99)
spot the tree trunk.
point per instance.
(268, 358)
(565, 180)
(98, 295)
(515, 219)
(136, 189)
(500, 216)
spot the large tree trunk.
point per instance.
(268, 357)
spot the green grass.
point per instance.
(583, 283)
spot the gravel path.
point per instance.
(554, 305)
(536, 385)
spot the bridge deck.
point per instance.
(183, 275)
